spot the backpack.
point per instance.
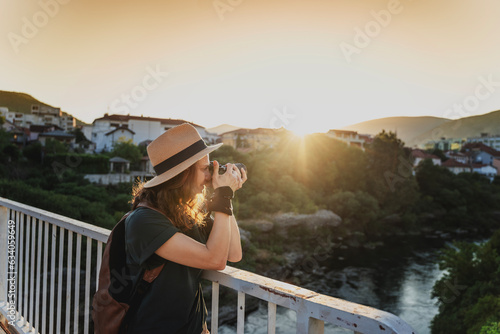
(116, 298)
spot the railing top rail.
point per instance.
(89, 230)
(345, 314)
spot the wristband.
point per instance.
(225, 192)
(221, 201)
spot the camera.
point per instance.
(222, 168)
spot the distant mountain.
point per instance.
(21, 103)
(223, 128)
(416, 131)
(471, 126)
(407, 128)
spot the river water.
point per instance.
(397, 277)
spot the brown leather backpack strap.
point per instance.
(151, 274)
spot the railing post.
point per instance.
(308, 325)
(4, 230)
(316, 326)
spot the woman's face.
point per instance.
(202, 174)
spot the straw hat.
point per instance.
(174, 151)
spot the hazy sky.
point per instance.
(307, 65)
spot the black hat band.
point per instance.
(179, 157)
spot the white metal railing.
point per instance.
(43, 291)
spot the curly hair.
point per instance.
(175, 198)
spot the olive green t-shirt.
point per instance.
(174, 302)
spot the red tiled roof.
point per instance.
(454, 163)
(423, 155)
(481, 147)
(366, 138)
(455, 154)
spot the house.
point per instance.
(63, 137)
(496, 164)
(446, 144)
(455, 166)
(489, 171)
(20, 135)
(40, 115)
(86, 146)
(253, 139)
(107, 130)
(419, 155)
(351, 138)
(458, 156)
(36, 130)
(120, 134)
(481, 153)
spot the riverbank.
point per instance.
(393, 271)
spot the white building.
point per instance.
(486, 170)
(40, 115)
(108, 130)
(458, 156)
(419, 155)
(491, 141)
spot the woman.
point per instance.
(169, 225)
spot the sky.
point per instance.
(309, 66)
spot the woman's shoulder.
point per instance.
(146, 215)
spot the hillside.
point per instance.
(21, 103)
(471, 126)
(416, 131)
(407, 128)
(18, 102)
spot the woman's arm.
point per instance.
(186, 251)
(235, 252)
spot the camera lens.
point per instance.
(222, 168)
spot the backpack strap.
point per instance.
(148, 276)
(146, 279)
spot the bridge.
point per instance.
(48, 275)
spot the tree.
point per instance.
(469, 291)
(54, 146)
(79, 136)
(390, 174)
(126, 149)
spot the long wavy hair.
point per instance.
(175, 198)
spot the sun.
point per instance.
(302, 130)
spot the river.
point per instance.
(397, 277)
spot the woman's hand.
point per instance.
(232, 178)
(241, 174)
